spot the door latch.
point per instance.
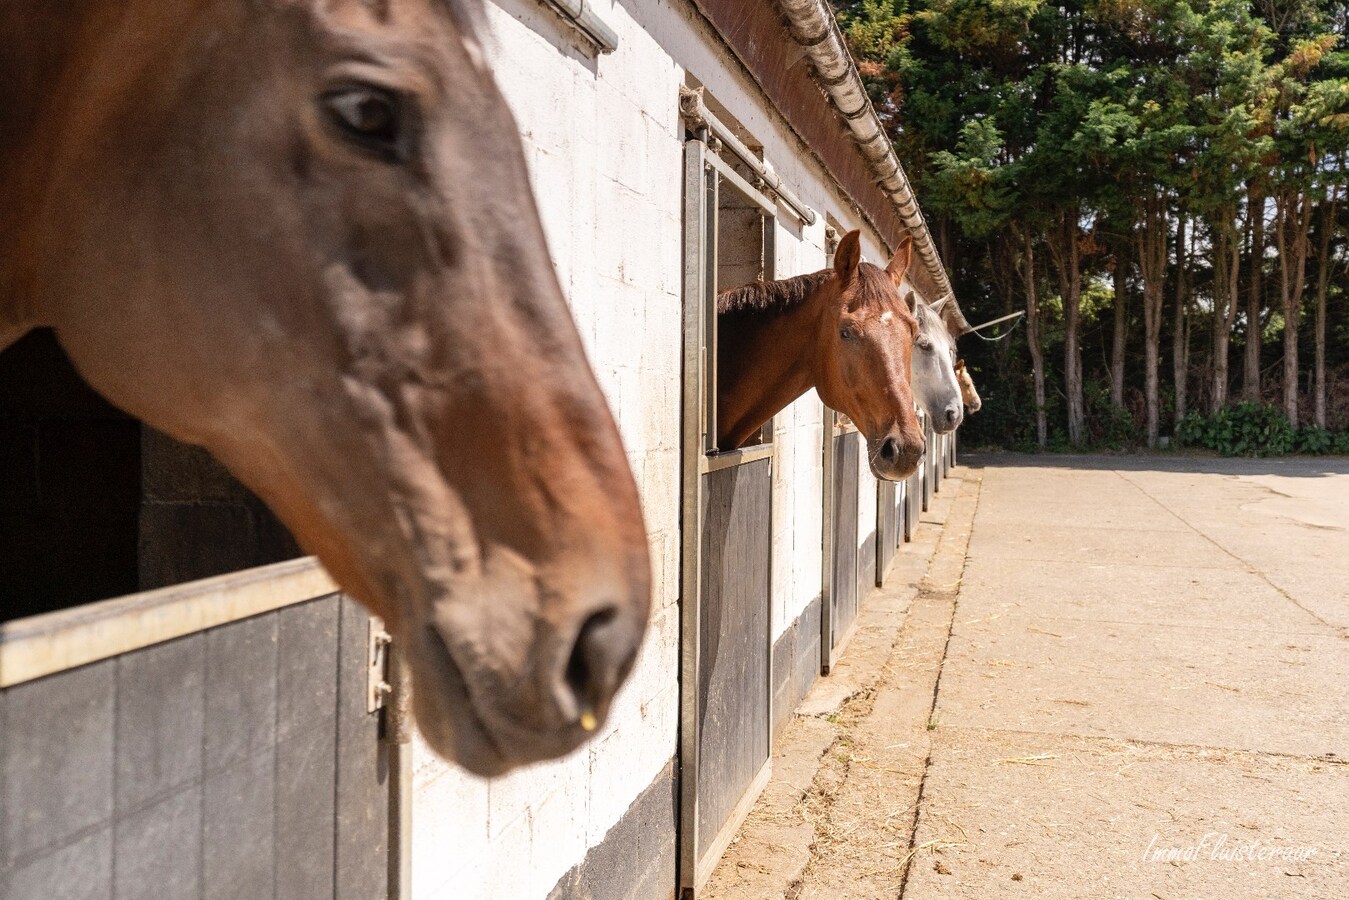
(377, 663)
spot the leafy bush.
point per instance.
(1109, 426)
(1192, 431)
(1340, 444)
(1313, 439)
(1246, 429)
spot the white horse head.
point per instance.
(935, 386)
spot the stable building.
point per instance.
(230, 727)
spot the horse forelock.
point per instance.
(930, 321)
(874, 290)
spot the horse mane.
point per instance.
(772, 296)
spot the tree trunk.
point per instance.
(1322, 281)
(1153, 255)
(1180, 339)
(944, 237)
(1255, 298)
(1226, 270)
(1067, 255)
(1121, 329)
(1037, 356)
(1293, 224)
(1007, 280)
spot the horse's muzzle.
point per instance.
(949, 419)
(897, 456)
(491, 715)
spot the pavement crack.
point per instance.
(951, 594)
(1245, 564)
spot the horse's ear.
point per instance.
(911, 300)
(960, 365)
(899, 263)
(848, 257)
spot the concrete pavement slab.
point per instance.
(1010, 511)
(1143, 691)
(1009, 815)
(1035, 540)
(1185, 685)
(1160, 595)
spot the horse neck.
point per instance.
(45, 66)
(40, 43)
(765, 360)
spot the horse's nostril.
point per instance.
(951, 415)
(890, 450)
(599, 659)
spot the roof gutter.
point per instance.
(814, 28)
(580, 15)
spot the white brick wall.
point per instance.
(605, 147)
(798, 477)
(866, 497)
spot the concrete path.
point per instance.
(1117, 677)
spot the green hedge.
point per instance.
(1253, 429)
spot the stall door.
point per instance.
(725, 692)
(240, 760)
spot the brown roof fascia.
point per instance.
(757, 32)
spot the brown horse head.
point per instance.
(300, 234)
(866, 339)
(967, 392)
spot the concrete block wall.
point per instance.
(604, 145)
(196, 520)
(866, 497)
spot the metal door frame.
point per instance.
(901, 513)
(915, 489)
(925, 465)
(831, 650)
(887, 525)
(704, 169)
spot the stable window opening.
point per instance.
(95, 504)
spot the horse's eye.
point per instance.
(924, 343)
(847, 333)
(368, 116)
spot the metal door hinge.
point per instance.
(377, 663)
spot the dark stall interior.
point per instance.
(95, 504)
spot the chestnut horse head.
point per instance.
(968, 395)
(843, 331)
(866, 356)
(935, 387)
(300, 234)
